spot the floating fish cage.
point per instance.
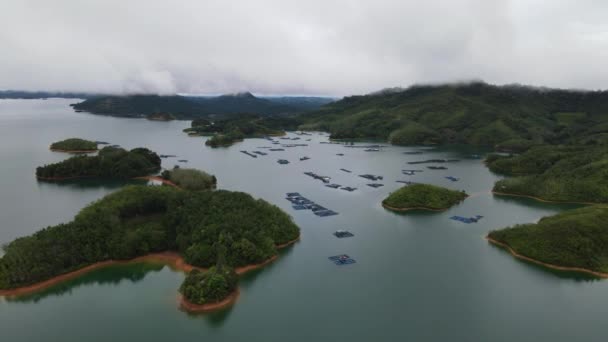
(343, 234)
(467, 220)
(342, 259)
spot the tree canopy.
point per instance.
(573, 238)
(74, 144)
(110, 162)
(423, 196)
(138, 220)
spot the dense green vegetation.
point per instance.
(514, 117)
(224, 140)
(423, 196)
(110, 162)
(160, 117)
(558, 173)
(574, 238)
(183, 107)
(210, 286)
(138, 220)
(228, 131)
(74, 144)
(190, 179)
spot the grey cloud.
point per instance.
(298, 47)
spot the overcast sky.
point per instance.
(298, 47)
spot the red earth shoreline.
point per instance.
(171, 259)
(538, 262)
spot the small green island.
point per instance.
(110, 162)
(190, 179)
(573, 240)
(423, 197)
(196, 229)
(229, 131)
(74, 145)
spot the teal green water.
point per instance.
(418, 276)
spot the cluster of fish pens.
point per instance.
(300, 202)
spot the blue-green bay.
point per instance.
(419, 276)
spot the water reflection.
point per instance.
(88, 184)
(111, 275)
(536, 204)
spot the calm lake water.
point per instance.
(418, 276)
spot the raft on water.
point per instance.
(436, 167)
(434, 161)
(260, 153)
(324, 179)
(345, 170)
(348, 188)
(333, 186)
(342, 259)
(343, 234)
(304, 158)
(371, 177)
(375, 185)
(249, 154)
(453, 179)
(467, 220)
(283, 161)
(300, 202)
(277, 149)
(183, 160)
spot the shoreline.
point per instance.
(506, 194)
(386, 206)
(171, 259)
(190, 307)
(542, 263)
(158, 179)
(73, 151)
(62, 178)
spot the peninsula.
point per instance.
(228, 131)
(205, 228)
(573, 240)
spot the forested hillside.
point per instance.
(513, 117)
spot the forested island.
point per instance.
(205, 228)
(573, 240)
(110, 162)
(190, 179)
(228, 131)
(423, 197)
(74, 145)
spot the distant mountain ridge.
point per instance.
(191, 107)
(21, 94)
(472, 113)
